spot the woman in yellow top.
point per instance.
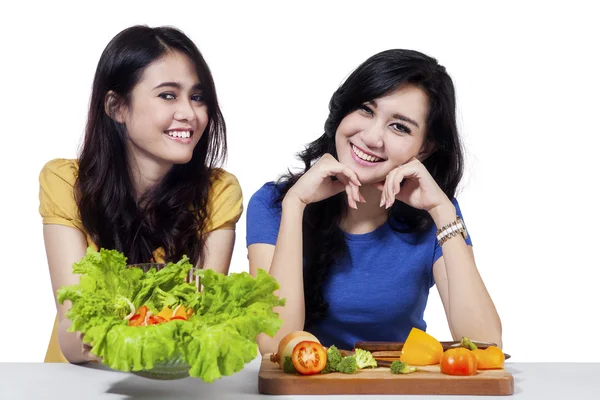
(147, 181)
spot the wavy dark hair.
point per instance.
(172, 214)
(323, 240)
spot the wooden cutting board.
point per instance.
(427, 380)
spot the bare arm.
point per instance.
(64, 246)
(284, 263)
(219, 249)
(468, 305)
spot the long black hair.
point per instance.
(323, 240)
(171, 215)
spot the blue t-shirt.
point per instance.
(378, 291)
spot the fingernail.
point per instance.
(381, 203)
(388, 204)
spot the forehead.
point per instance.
(172, 67)
(408, 100)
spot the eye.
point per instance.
(198, 97)
(398, 127)
(366, 109)
(167, 96)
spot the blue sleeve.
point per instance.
(262, 217)
(438, 250)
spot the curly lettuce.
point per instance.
(217, 340)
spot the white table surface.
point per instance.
(64, 381)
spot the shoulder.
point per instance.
(60, 171)
(225, 201)
(222, 181)
(267, 194)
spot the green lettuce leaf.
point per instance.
(217, 340)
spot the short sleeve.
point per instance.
(225, 203)
(263, 217)
(438, 248)
(57, 196)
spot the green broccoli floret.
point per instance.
(347, 365)
(333, 360)
(364, 359)
(288, 365)
(399, 367)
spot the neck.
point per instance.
(369, 216)
(146, 171)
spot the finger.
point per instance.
(383, 198)
(389, 192)
(338, 169)
(351, 201)
(356, 192)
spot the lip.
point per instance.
(366, 152)
(361, 161)
(178, 139)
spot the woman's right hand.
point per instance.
(86, 350)
(317, 183)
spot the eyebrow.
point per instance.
(396, 115)
(177, 85)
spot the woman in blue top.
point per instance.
(357, 240)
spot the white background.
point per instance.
(527, 85)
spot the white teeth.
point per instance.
(364, 156)
(180, 134)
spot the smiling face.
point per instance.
(384, 133)
(166, 115)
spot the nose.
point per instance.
(372, 135)
(184, 111)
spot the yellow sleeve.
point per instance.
(57, 197)
(225, 204)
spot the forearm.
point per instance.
(286, 268)
(70, 344)
(471, 311)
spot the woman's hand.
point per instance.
(412, 184)
(317, 183)
(85, 350)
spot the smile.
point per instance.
(183, 133)
(180, 135)
(362, 156)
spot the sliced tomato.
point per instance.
(459, 361)
(155, 319)
(132, 319)
(309, 357)
(141, 317)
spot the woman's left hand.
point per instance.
(419, 189)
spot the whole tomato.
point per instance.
(459, 361)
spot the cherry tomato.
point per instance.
(459, 361)
(309, 357)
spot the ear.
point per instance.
(114, 107)
(427, 149)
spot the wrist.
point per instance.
(292, 202)
(443, 214)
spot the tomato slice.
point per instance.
(155, 319)
(309, 357)
(141, 318)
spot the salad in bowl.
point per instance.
(151, 322)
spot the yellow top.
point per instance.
(58, 206)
